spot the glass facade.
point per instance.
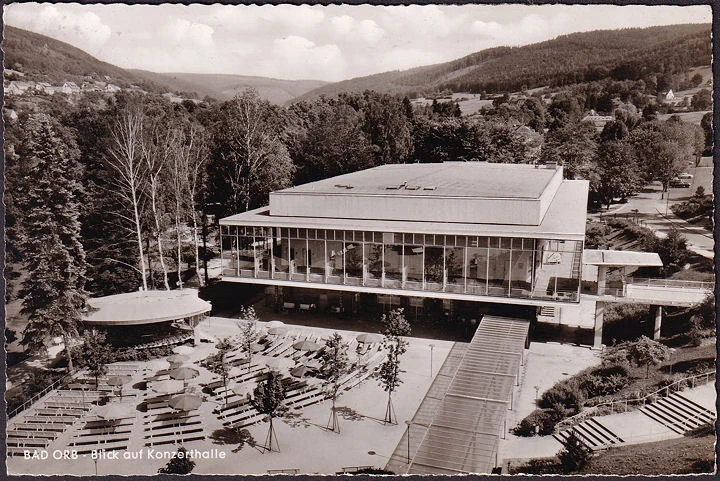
(477, 265)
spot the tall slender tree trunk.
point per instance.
(179, 241)
(158, 231)
(139, 238)
(196, 242)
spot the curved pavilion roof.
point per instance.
(145, 307)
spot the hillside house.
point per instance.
(18, 87)
(70, 88)
(45, 87)
(111, 88)
(670, 96)
(598, 121)
(89, 87)
(10, 73)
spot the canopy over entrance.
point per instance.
(146, 307)
(463, 435)
(600, 257)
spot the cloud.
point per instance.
(85, 30)
(347, 28)
(297, 58)
(312, 41)
(343, 24)
(180, 31)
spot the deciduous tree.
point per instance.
(389, 371)
(268, 399)
(96, 353)
(334, 366)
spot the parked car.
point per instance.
(678, 182)
(685, 176)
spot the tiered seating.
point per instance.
(96, 434)
(167, 426)
(44, 422)
(170, 341)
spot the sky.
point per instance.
(328, 43)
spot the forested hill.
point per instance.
(221, 86)
(45, 59)
(579, 57)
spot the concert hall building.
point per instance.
(453, 231)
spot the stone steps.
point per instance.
(678, 413)
(592, 433)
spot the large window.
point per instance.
(476, 265)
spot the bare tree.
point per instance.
(248, 146)
(178, 182)
(193, 158)
(157, 149)
(125, 159)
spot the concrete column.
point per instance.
(658, 323)
(602, 273)
(599, 319)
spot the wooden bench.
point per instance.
(170, 415)
(28, 442)
(157, 405)
(15, 451)
(114, 446)
(23, 433)
(170, 431)
(57, 428)
(66, 420)
(168, 423)
(85, 406)
(106, 430)
(74, 412)
(101, 439)
(105, 424)
(185, 439)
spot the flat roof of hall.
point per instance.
(447, 179)
(565, 219)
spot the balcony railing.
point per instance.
(643, 281)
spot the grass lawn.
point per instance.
(672, 456)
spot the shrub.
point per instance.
(574, 455)
(566, 394)
(538, 466)
(595, 385)
(544, 419)
(595, 233)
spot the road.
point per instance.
(653, 209)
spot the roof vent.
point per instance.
(430, 187)
(343, 186)
(396, 187)
(412, 187)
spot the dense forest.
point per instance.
(654, 55)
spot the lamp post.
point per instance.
(408, 440)
(432, 346)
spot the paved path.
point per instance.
(653, 209)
